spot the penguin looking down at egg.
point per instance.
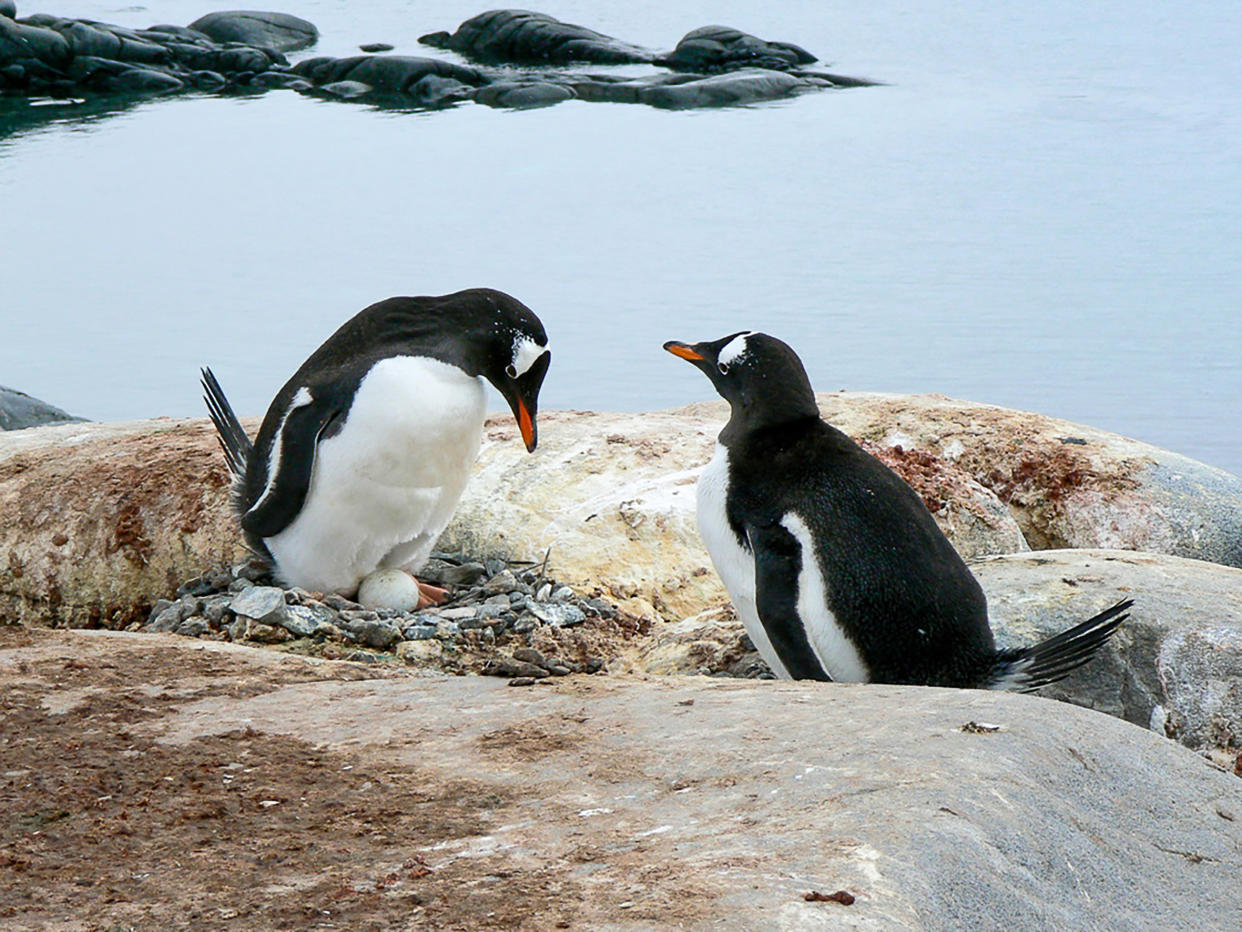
(364, 453)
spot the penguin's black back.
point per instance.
(894, 582)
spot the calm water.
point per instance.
(1042, 210)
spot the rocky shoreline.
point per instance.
(522, 58)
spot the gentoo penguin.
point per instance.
(836, 567)
(363, 455)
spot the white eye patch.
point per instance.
(734, 349)
(526, 353)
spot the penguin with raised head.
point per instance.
(364, 453)
(836, 567)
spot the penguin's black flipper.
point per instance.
(292, 463)
(233, 440)
(778, 564)
(1028, 668)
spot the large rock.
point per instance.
(614, 496)
(604, 803)
(1175, 666)
(19, 411)
(278, 31)
(611, 494)
(8, 8)
(1068, 485)
(97, 521)
(527, 38)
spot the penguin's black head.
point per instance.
(760, 376)
(515, 356)
(483, 332)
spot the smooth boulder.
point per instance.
(723, 48)
(280, 32)
(19, 411)
(1175, 666)
(528, 38)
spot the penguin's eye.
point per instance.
(723, 367)
(510, 371)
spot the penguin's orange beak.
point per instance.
(684, 351)
(526, 425)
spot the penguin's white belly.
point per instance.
(734, 565)
(387, 484)
(833, 649)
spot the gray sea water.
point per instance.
(1042, 209)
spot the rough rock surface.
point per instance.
(1175, 666)
(97, 521)
(278, 31)
(19, 411)
(432, 802)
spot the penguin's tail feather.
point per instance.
(1028, 668)
(233, 439)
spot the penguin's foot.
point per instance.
(429, 595)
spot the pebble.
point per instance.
(258, 602)
(490, 603)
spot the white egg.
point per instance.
(394, 589)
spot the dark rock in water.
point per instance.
(723, 48)
(278, 31)
(143, 81)
(523, 37)
(376, 47)
(523, 95)
(18, 411)
(390, 74)
(20, 41)
(8, 8)
(732, 89)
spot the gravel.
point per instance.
(492, 605)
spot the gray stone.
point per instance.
(216, 607)
(300, 621)
(557, 614)
(503, 582)
(374, 633)
(457, 614)
(448, 629)
(418, 632)
(32, 42)
(19, 411)
(194, 626)
(754, 794)
(8, 8)
(347, 90)
(278, 31)
(1175, 666)
(376, 47)
(259, 602)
